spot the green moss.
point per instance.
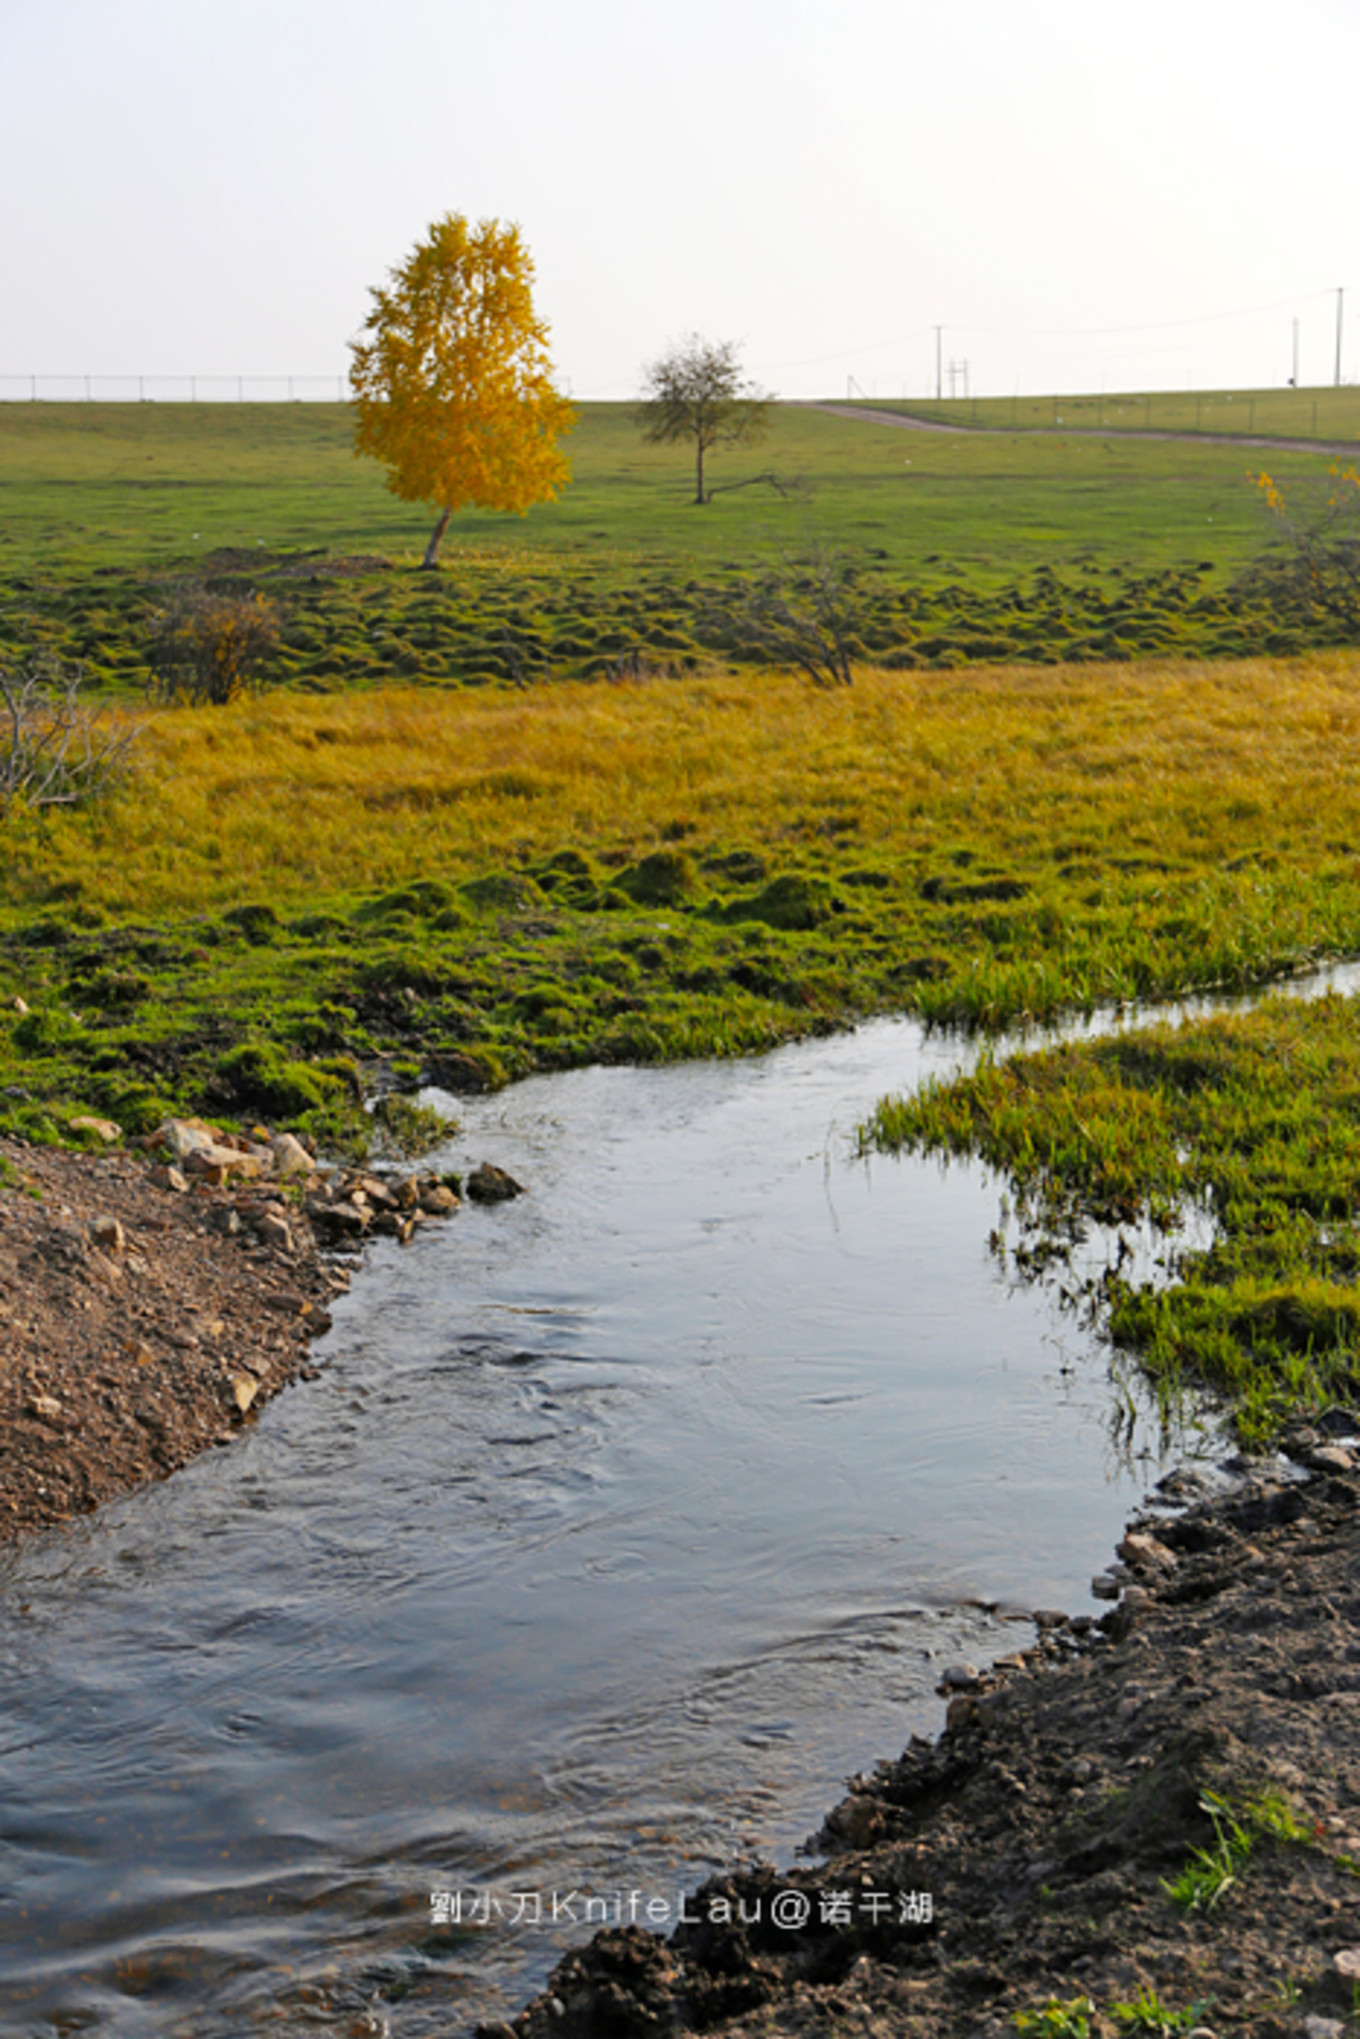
(256, 1077)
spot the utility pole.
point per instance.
(939, 357)
(1340, 297)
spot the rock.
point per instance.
(316, 1320)
(1139, 1549)
(272, 1229)
(20, 1006)
(405, 1194)
(168, 1177)
(244, 1388)
(1105, 1586)
(1045, 1618)
(1347, 1963)
(138, 1349)
(339, 1221)
(108, 1235)
(290, 1156)
(104, 1128)
(373, 1192)
(286, 1300)
(960, 1713)
(1336, 1422)
(1136, 1600)
(960, 1678)
(488, 1184)
(223, 1219)
(45, 1407)
(217, 1164)
(438, 1202)
(182, 1137)
(1330, 1458)
(1315, 2027)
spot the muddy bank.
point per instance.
(1199, 1741)
(148, 1313)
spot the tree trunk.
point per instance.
(699, 495)
(431, 558)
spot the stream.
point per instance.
(620, 1525)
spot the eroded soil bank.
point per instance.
(1215, 1709)
(147, 1313)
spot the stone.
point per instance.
(1045, 1618)
(290, 1156)
(1347, 1962)
(166, 1176)
(405, 1193)
(108, 1235)
(272, 1229)
(960, 1677)
(1140, 1549)
(1330, 1458)
(105, 1129)
(182, 1137)
(45, 1407)
(960, 1713)
(20, 1006)
(217, 1164)
(316, 1320)
(1338, 1422)
(244, 1388)
(340, 1221)
(438, 1202)
(1315, 2027)
(287, 1300)
(488, 1184)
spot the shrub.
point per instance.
(209, 649)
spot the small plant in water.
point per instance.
(409, 1128)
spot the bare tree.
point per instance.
(805, 614)
(54, 751)
(696, 391)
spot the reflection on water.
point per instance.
(621, 1524)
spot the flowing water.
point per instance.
(622, 1523)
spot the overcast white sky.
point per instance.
(1086, 195)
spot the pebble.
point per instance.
(960, 1678)
(108, 1234)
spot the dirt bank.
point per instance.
(1026, 1859)
(139, 1324)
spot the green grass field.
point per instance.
(964, 548)
(87, 486)
(1328, 414)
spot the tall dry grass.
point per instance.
(1188, 765)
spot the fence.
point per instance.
(172, 389)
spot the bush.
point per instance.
(209, 649)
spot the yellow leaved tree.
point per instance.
(452, 385)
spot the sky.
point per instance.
(1081, 195)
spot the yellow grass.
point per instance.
(295, 796)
